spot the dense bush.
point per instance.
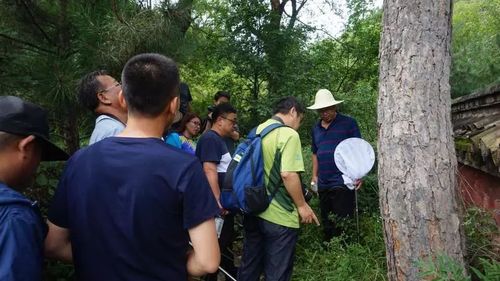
(359, 255)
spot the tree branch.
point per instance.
(19, 41)
(33, 20)
(118, 16)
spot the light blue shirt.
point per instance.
(105, 126)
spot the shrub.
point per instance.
(343, 258)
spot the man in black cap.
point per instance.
(24, 142)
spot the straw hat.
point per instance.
(324, 98)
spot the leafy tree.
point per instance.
(475, 45)
(48, 45)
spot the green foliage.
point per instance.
(491, 270)
(341, 260)
(58, 271)
(482, 258)
(47, 46)
(475, 45)
(442, 268)
(358, 255)
(241, 50)
(42, 191)
(480, 231)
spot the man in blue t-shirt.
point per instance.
(99, 92)
(127, 206)
(215, 157)
(332, 128)
(231, 140)
(24, 133)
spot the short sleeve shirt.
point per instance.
(128, 204)
(105, 127)
(287, 140)
(324, 143)
(212, 148)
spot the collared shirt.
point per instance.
(105, 127)
(324, 143)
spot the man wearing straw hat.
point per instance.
(331, 129)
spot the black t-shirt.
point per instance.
(212, 148)
(128, 203)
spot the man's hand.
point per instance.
(314, 179)
(314, 185)
(223, 211)
(307, 214)
(358, 183)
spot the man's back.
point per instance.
(128, 208)
(282, 210)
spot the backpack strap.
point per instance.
(274, 182)
(252, 134)
(269, 128)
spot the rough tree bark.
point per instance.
(417, 163)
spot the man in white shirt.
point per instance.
(99, 92)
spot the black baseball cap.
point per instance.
(23, 118)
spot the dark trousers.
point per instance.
(226, 249)
(267, 248)
(339, 202)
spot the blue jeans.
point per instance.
(268, 248)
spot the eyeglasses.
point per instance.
(195, 123)
(232, 121)
(117, 84)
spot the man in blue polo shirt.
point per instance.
(331, 129)
(127, 206)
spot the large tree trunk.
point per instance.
(417, 163)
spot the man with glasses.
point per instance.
(99, 92)
(215, 157)
(232, 139)
(332, 128)
(128, 206)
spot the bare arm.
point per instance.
(205, 256)
(58, 243)
(293, 186)
(210, 170)
(314, 169)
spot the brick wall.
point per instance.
(480, 189)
